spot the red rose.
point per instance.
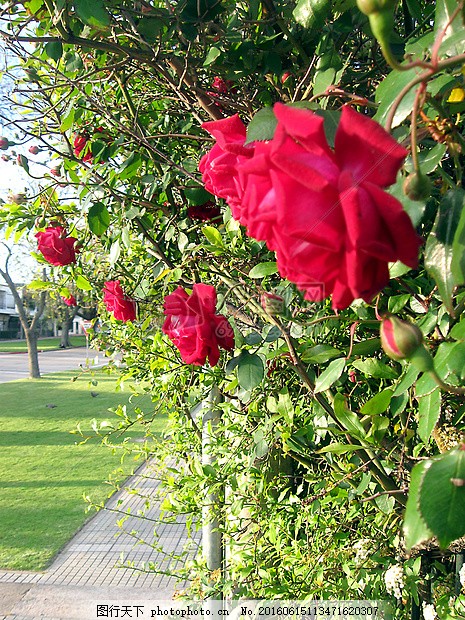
(79, 144)
(69, 301)
(221, 85)
(219, 165)
(122, 307)
(34, 150)
(56, 247)
(208, 211)
(192, 325)
(324, 211)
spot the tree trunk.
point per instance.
(66, 325)
(33, 354)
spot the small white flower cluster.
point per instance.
(394, 580)
(462, 576)
(429, 613)
(362, 550)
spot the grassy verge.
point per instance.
(44, 474)
(44, 344)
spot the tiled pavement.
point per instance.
(88, 570)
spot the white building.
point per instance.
(9, 318)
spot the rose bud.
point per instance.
(6, 157)
(21, 160)
(34, 150)
(368, 7)
(272, 304)
(285, 77)
(402, 340)
(55, 171)
(381, 17)
(4, 143)
(417, 186)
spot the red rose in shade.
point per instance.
(69, 301)
(324, 211)
(220, 85)
(219, 165)
(192, 325)
(205, 212)
(56, 247)
(79, 144)
(122, 307)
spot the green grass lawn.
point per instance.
(44, 344)
(43, 473)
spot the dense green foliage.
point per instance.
(320, 428)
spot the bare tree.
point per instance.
(29, 324)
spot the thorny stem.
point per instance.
(414, 127)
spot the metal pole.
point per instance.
(212, 537)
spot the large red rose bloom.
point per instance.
(325, 212)
(56, 247)
(122, 307)
(192, 325)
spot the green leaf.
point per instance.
(414, 208)
(115, 252)
(408, 378)
(150, 28)
(439, 246)
(34, 5)
(213, 235)
(366, 347)
(319, 353)
(263, 269)
(429, 410)
(68, 120)
(442, 496)
(415, 529)
(262, 126)
(429, 159)
(40, 285)
(397, 302)
(375, 368)
(98, 218)
(261, 445)
(93, 13)
(450, 358)
(458, 245)
(388, 90)
(83, 283)
(425, 385)
(250, 370)
(311, 14)
(212, 55)
(458, 331)
(197, 195)
(447, 29)
(54, 50)
(378, 403)
(330, 375)
(385, 503)
(339, 448)
(348, 418)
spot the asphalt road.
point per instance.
(15, 365)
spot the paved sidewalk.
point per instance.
(88, 570)
(15, 366)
